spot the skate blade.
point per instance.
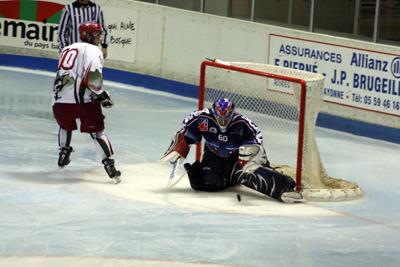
(292, 197)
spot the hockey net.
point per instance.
(284, 104)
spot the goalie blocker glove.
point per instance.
(104, 99)
(178, 148)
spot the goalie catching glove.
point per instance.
(104, 99)
(178, 148)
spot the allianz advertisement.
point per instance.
(354, 77)
(34, 25)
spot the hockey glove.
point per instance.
(104, 99)
(178, 148)
(251, 157)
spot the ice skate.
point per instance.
(112, 172)
(292, 197)
(63, 158)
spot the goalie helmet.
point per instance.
(223, 112)
(88, 31)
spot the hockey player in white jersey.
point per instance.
(78, 93)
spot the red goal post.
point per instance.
(284, 104)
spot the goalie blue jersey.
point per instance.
(202, 125)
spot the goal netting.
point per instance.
(284, 104)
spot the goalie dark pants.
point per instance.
(215, 173)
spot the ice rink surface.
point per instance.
(77, 217)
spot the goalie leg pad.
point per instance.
(266, 181)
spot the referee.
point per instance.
(73, 15)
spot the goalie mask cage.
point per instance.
(284, 104)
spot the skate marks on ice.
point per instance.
(147, 182)
(95, 262)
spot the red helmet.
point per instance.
(89, 30)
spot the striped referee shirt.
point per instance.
(73, 15)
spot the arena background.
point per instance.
(161, 48)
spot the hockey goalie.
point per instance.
(233, 154)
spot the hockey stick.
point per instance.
(172, 183)
(171, 180)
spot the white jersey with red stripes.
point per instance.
(79, 74)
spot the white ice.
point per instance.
(77, 217)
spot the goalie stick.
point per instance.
(173, 180)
